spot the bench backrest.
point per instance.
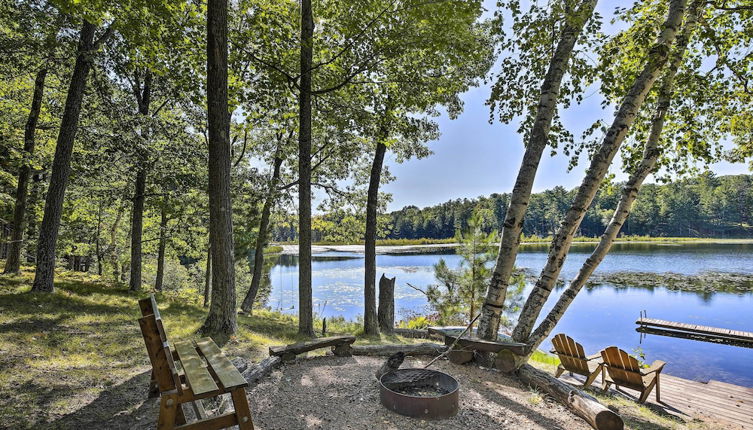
(623, 369)
(157, 347)
(571, 354)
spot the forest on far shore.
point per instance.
(701, 206)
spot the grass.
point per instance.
(60, 352)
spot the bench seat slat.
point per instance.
(226, 372)
(197, 376)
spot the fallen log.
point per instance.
(407, 349)
(583, 404)
(288, 352)
(255, 372)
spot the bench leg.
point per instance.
(153, 386)
(168, 412)
(242, 411)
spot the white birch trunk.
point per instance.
(598, 169)
(651, 153)
(521, 194)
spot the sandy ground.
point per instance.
(341, 393)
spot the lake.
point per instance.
(600, 316)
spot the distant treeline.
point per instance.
(704, 206)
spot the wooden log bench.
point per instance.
(189, 372)
(341, 346)
(466, 347)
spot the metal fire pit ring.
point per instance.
(398, 389)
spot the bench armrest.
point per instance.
(656, 366)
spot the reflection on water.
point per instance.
(601, 315)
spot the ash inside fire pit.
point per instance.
(420, 393)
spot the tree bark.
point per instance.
(113, 251)
(208, 278)
(61, 164)
(651, 153)
(521, 194)
(143, 98)
(263, 236)
(596, 172)
(137, 224)
(305, 301)
(13, 261)
(370, 324)
(161, 247)
(221, 321)
(583, 404)
(386, 314)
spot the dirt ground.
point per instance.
(342, 393)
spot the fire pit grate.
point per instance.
(420, 393)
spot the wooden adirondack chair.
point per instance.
(625, 371)
(574, 359)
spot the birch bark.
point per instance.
(651, 153)
(602, 159)
(521, 194)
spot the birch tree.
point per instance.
(507, 97)
(597, 170)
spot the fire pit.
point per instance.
(420, 393)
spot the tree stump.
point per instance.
(386, 311)
(343, 350)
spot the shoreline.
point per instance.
(292, 249)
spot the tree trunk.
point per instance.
(583, 404)
(599, 167)
(13, 261)
(370, 326)
(651, 153)
(521, 194)
(386, 314)
(208, 277)
(137, 224)
(221, 321)
(161, 247)
(98, 240)
(113, 251)
(305, 302)
(61, 164)
(143, 98)
(261, 239)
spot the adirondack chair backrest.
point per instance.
(571, 354)
(157, 347)
(623, 369)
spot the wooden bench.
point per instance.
(341, 346)
(188, 372)
(466, 347)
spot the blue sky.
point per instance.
(473, 157)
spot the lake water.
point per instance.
(599, 317)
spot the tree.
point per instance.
(598, 168)
(572, 24)
(48, 230)
(221, 320)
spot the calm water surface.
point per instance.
(600, 316)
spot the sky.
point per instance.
(474, 158)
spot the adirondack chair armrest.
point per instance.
(594, 357)
(656, 366)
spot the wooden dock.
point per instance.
(695, 332)
(719, 404)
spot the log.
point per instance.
(310, 345)
(414, 333)
(583, 404)
(407, 349)
(258, 371)
(386, 311)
